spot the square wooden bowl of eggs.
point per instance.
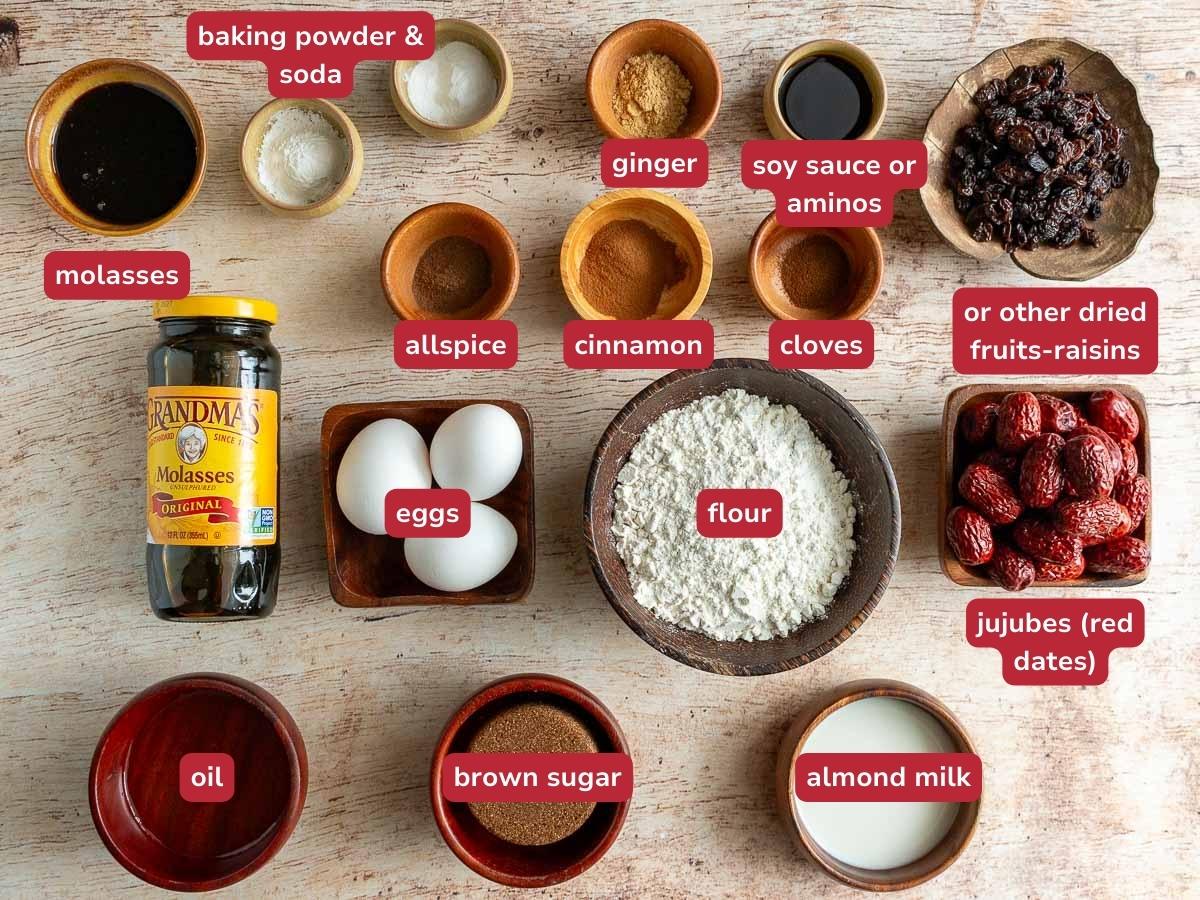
(484, 447)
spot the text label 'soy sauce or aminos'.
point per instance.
(212, 451)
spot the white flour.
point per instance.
(733, 588)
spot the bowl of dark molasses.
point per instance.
(825, 90)
(528, 845)
(116, 147)
(151, 821)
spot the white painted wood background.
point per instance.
(1089, 791)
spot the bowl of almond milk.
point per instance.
(876, 845)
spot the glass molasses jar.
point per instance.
(212, 449)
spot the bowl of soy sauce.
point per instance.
(116, 147)
(825, 90)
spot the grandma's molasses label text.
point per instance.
(654, 163)
(648, 344)
(212, 466)
(821, 344)
(537, 777)
(1055, 331)
(834, 184)
(310, 54)
(1055, 641)
(889, 777)
(117, 275)
(456, 344)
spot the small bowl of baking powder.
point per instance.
(301, 158)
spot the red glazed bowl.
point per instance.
(497, 859)
(134, 783)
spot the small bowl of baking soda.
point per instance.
(461, 90)
(301, 158)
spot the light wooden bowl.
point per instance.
(448, 31)
(53, 104)
(856, 452)
(369, 570)
(902, 878)
(954, 459)
(773, 111)
(667, 216)
(863, 252)
(681, 44)
(419, 231)
(497, 859)
(252, 138)
(1128, 211)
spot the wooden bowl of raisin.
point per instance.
(1041, 152)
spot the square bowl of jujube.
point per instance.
(1045, 485)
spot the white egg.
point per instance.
(461, 564)
(387, 454)
(478, 448)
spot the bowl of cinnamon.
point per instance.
(815, 273)
(636, 254)
(450, 261)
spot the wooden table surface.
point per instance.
(1089, 791)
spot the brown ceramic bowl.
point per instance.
(369, 570)
(858, 58)
(53, 104)
(419, 231)
(671, 39)
(669, 218)
(134, 783)
(447, 31)
(252, 139)
(956, 454)
(1127, 211)
(863, 252)
(497, 859)
(856, 452)
(933, 863)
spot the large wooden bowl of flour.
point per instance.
(856, 452)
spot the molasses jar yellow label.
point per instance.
(212, 465)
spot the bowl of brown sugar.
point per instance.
(636, 254)
(815, 273)
(450, 261)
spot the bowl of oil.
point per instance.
(116, 147)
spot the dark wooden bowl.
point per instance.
(954, 459)
(901, 878)
(1127, 212)
(856, 451)
(497, 859)
(134, 782)
(368, 570)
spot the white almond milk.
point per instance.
(878, 835)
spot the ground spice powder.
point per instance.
(814, 272)
(533, 727)
(651, 99)
(626, 268)
(453, 274)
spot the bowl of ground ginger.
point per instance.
(654, 79)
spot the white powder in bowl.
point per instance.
(454, 87)
(733, 588)
(303, 157)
